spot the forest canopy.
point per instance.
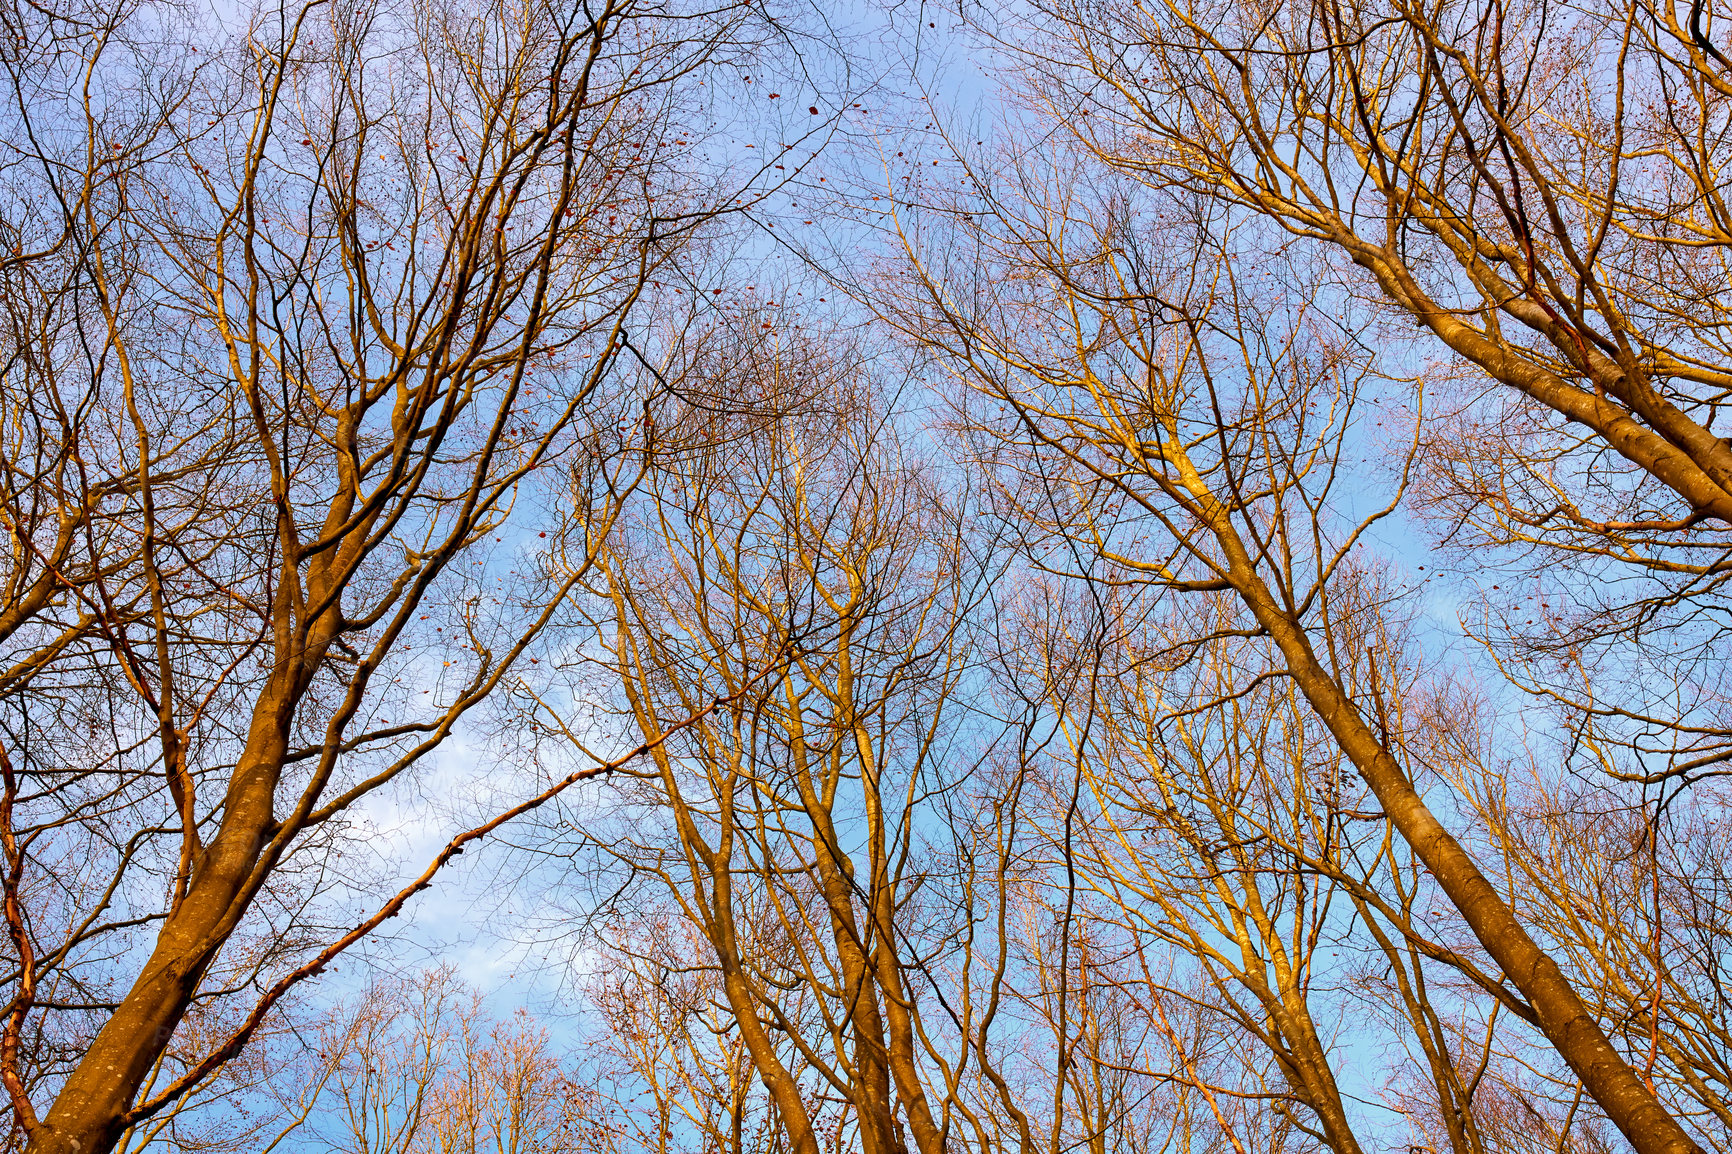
(734, 577)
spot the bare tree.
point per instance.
(671, 1040)
(1534, 192)
(1172, 420)
(331, 352)
(801, 529)
(421, 1067)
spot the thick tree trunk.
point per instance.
(1563, 1016)
(89, 1113)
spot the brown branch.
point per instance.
(24, 1115)
(243, 1033)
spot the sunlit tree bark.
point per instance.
(331, 351)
